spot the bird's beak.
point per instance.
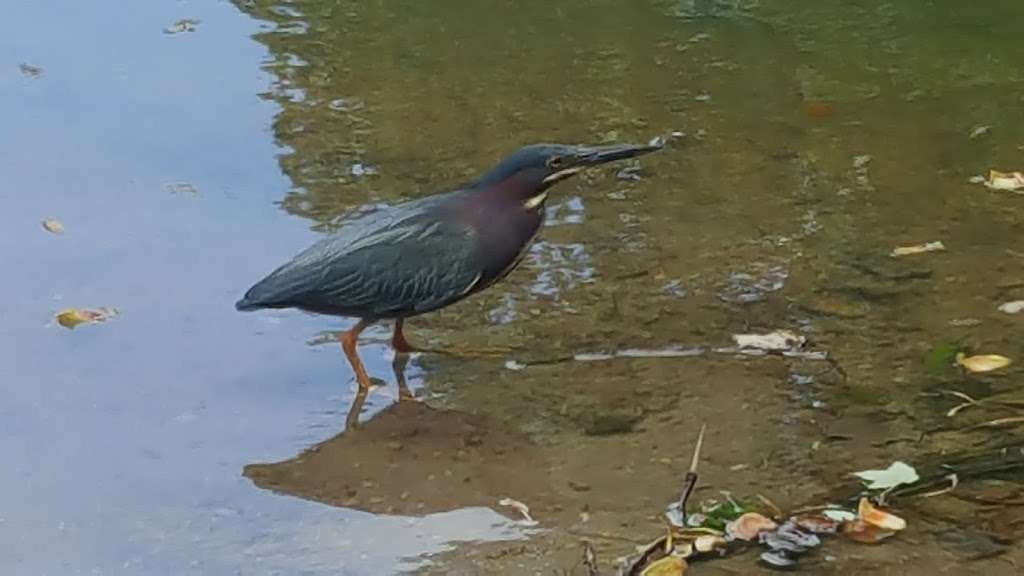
(587, 156)
(593, 156)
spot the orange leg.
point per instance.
(402, 346)
(398, 341)
(348, 345)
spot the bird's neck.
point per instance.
(516, 189)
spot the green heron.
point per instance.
(425, 254)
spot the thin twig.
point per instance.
(690, 482)
(999, 422)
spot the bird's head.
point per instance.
(533, 169)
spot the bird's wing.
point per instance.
(405, 263)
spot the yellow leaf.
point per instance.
(667, 566)
(71, 317)
(53, 226)
(918, 249)
(1011, 181)
(982, 362)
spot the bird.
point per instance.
(421, 255)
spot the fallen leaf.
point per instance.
(896, 474)
(71, 317)
(748, 526)
(1009, 181)
(918, 249)
(839, 515)
(778, 340)
(1014, 307)
(982, 362)
(878, 517)
(860, 531)
(709, 542)
(521, 508)
(667, 566)
(53, 226)
(816, 523)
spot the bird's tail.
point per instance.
(246, 305)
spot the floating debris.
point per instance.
(53, 226)
(358, 170)
(982, 362)
(1008, 181)
(71, 317)
(180, 187)
(745, 288)
(778, 340)
(521, 508)
(898, 473)
(781, 342)
(29, 70)
(182, 26)
(918, 249)
(1015, 307)
(979, 131)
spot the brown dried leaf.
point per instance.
(878, 517)
(816, 523)
(749, 525)
(860, 531)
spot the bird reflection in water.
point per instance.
(399, 364)
(457, 459)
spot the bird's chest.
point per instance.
(505, 237)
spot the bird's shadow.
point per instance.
(409, 458)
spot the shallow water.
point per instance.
(184, 437)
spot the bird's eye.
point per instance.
(556, 162)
